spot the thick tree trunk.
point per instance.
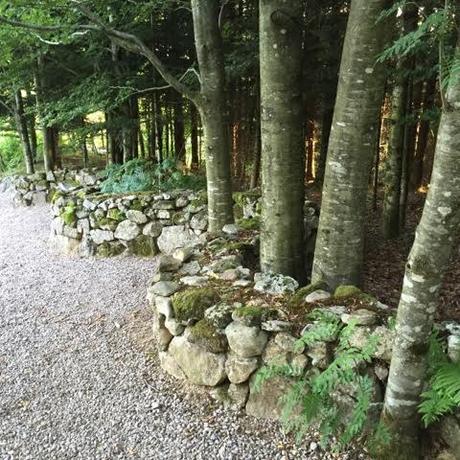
(213, 111)
(428, 260)
(21, 123)
(282, 238)
(32, 128)
(339, 245)
(391, 200)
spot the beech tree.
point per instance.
(436, 236)
(281, 244)
(339, 245)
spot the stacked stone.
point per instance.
(37, 188)
(140, 224)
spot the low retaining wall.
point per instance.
(38, 188)
(141, 224)
(216, 324)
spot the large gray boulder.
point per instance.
(246, 341)
(127, 230)
(199, 365)
(177, 236)
(274, 283)
(240, 369)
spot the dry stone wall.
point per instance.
(140, 224)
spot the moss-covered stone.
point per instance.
(115, 214)
(110, 249)
(106, 224)
(136, 205)
(54, 195)
(345, 291)
(192, 303)
(200, 200)
(298, 298)
(69, 214)
(253, 315)
(205, 334)
(143, 246)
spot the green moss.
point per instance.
(106, 223)
(68, 214)
(143, 246)
(136, 205)
(204, 333)
(81, 194)
(54, 195)
(253, 316)
(345, 291)
(200, 200)
(115, 214)
(107, 249)
(297, 299)
(249, 224)
(192, 303)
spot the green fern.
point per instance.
(311, 398)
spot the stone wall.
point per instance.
(38, 188)
(140, 224)
(216, 324)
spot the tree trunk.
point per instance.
(326, 124)
(21, 123)
(339, 245)
(179, 136)
(159, 126)
(282, 237)
(428, 260)
(39, 91)
(213, 111)
(32, 128)
(423, 133)
(393, 174)
(194, 136)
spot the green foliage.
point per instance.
(68, 214)
(141, 175)
(312, 398)
(443, 395)
(10, 153)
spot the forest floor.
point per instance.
(75, 379)
(385, 262)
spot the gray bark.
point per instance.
(282, 239)
(428, 260)
(395, 157)
(21, 123)
(339, 245)
(212, 107)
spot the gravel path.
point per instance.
(75, 382)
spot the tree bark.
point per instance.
(213, 111)
(428, 260)
(194, 136)
(179, 134)
(21, 123)
(283, 161)
(392, 191)
(339, 245)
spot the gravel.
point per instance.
(76, 379)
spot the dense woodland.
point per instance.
(353, 104)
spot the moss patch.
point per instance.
(249, 224)
(297, 299)
(107, 249)
(68, 214)
(143, 246)
(115, 214)
(254, 316)
(204, 333)
(192, 303)
(345, 291)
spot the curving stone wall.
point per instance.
(216, 324)
(38, 188)
(140, 224)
